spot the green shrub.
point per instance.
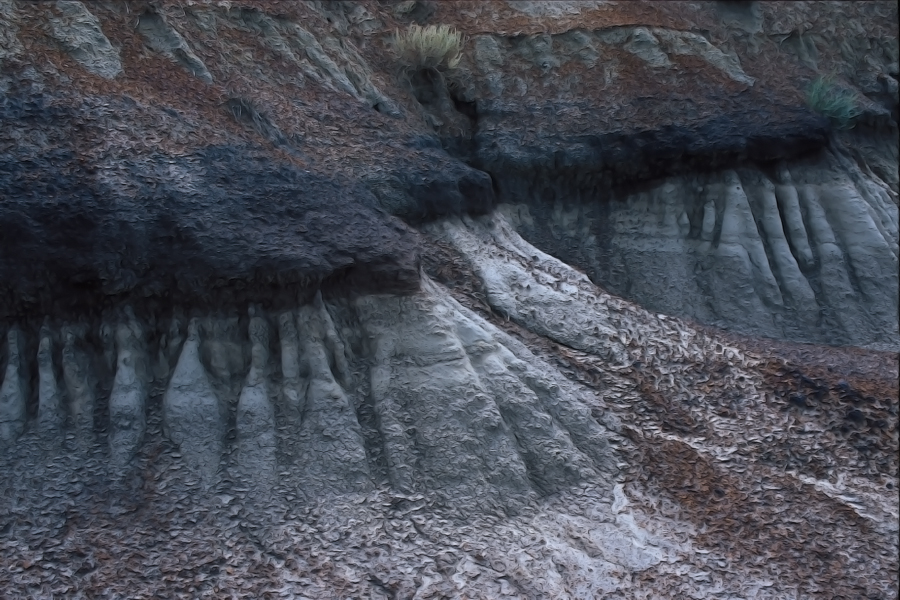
(431, 47)
(839, 104)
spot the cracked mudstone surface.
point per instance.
(282, 320)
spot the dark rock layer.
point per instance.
(193, 225)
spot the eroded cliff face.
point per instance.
(284, 320)
(805, 252)
(521, 434)
(227, 148)
(675, 163)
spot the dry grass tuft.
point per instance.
(431, 47)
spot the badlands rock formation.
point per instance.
(283, 319)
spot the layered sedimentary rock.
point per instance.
(417, 411)
(285, 318)
(695, 191)
(14, 391)
(806, 250)
(213, 170)
(128, 398)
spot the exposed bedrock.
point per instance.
(508, 429)
(803, 250)
(254, 194)
(217, 224)
(128, 399)
(14, 390)
(363, 428)
(51, 401)
(347, 395)
(255, 418)
(330, 450)
(224, 368)
(194, 418)
(79, 33)
(414, 392)
(80, 379)
(718, 200)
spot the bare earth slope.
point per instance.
(282, 319)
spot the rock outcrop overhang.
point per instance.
(127, 174)
(135, 114)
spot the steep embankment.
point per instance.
(183, 149)
(282, 320)
(669, 154)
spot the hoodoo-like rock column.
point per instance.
(80, 384)
(127, 402)
(293, 386)
(14, 390)
(255, 412)
(51, 407)
(193, 417)
(331, 451)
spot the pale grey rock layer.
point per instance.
(330, 448)
(370, 422)
(128, 399)
(80, 384)
(51, 407)
(458, 408)
(193, 415)
(807, 252)
(14, 390)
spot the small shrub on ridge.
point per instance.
(839, 104)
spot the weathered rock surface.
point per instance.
(804, 251)
(540, 447)
(158, 226)
(604, 156)
(199, 180)
(113, 191)
(283, 319)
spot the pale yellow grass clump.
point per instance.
(431, 47)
